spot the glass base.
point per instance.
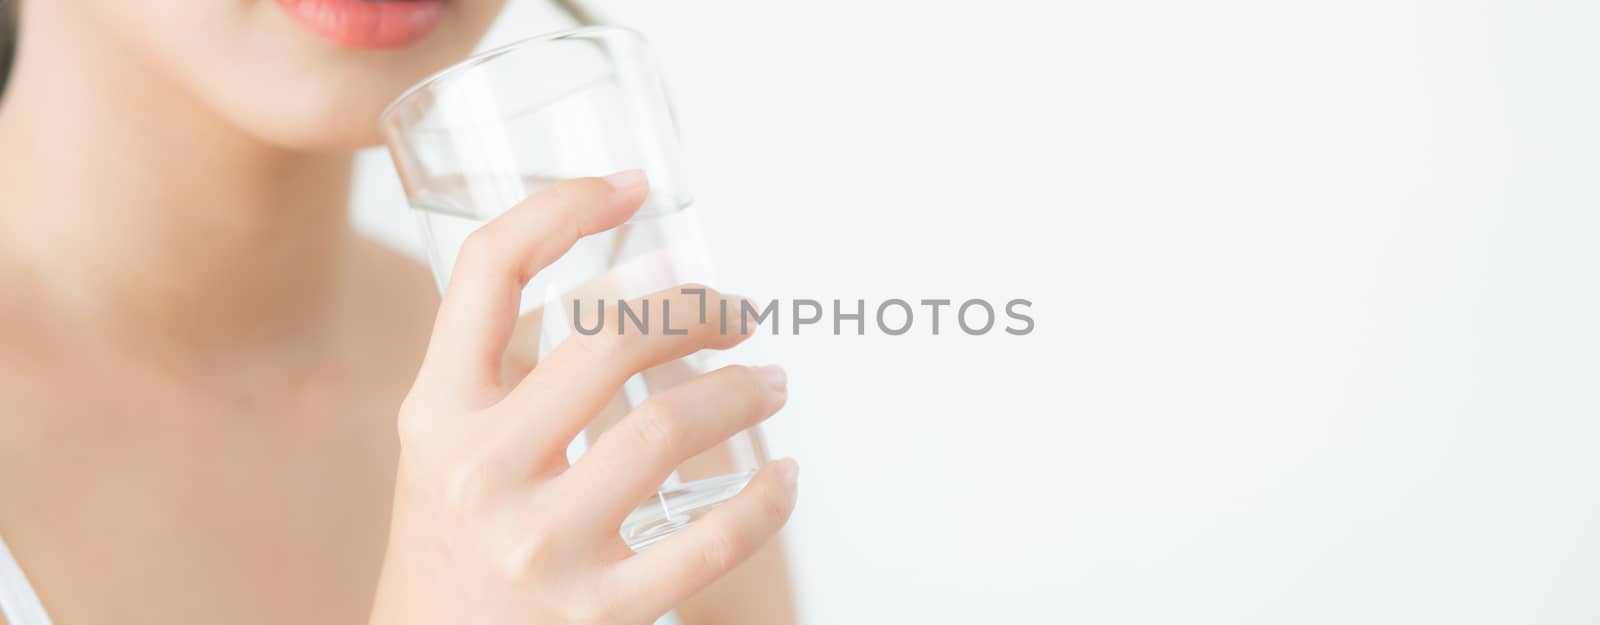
(675, 507)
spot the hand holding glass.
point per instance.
(475, 139)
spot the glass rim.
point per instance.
(434, 80)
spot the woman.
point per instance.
(202, 367)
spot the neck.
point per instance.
(131, 209)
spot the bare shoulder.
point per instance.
(395, 299)
(397, 273)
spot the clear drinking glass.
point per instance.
(476, 138)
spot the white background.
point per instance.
(1317, 287)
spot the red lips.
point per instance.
(367, 23)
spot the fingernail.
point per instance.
(788, 472)
(625, 180)
(774, 376)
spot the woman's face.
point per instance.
(301, 74)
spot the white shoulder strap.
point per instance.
(17, 602)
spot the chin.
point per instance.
(270, 69)
(320, 88)
(316, 115)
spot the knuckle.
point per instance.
(413, 428)
(657, 427)
(481, 251)
(418, 426)
(517, 563)
(746, 378)
(575, 191)
(468, 489)
(751, 391)
(775, 508)
(719, 553)
(559, 193)
(563, 237)
(592, 610)
(605, 345)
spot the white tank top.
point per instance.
(17, 602)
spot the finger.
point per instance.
(480, 303)
(631, 460)
(585, 371)
(668, 572)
